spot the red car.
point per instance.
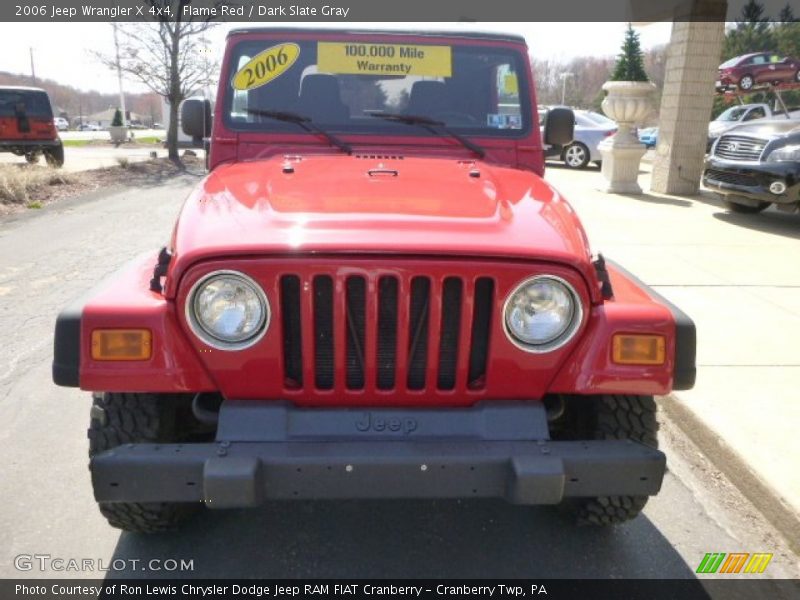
(752, 70)
(27, 127)
(373, 294)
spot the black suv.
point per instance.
(755, 165)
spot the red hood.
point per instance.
(368, 204)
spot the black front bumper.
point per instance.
(274, 451)
(23, 146)
(752, 180)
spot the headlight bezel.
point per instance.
(789, 150)
(209, 338)
(565, 336)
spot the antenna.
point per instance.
(33, 70)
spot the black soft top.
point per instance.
(467, 35)
(35, 101)
(20, 88)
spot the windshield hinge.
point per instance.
(602, 274)
(160, 270)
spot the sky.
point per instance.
(62, 51)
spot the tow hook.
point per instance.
(205, 408)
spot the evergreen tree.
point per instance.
(117, 120)
(787, 39)
(752, 33)
(787, 33)
(630, 62)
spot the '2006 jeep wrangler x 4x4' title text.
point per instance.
(373, 294)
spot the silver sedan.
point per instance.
(591, 128)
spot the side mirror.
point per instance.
(559, 127)
(196, 117)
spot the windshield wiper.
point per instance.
(304, 122)
(431, 125)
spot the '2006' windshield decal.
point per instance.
(266, 66)
(349, 58)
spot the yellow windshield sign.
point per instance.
(266, 66)
(510, 84)
(350, 58)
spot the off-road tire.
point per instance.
(117, 419)
(746, 209)
(32, 157)
(55, 157)
(613, 417)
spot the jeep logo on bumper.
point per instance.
(370, 422)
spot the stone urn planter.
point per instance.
(628, 103)
(119, 134)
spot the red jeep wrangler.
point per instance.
(26, 125)
(373, 294)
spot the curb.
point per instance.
(771, 504)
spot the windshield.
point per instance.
(581, 121)
(731, 62)
(599, 119)
(341, 86)
(734, 113)
(31, 103)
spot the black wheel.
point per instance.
(138, 418)
(576, 155)
(745, 209)
(610, 417)
(55, 157)
(32, 157)
(746, 82)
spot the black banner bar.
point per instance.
(423, 589)
(343, 11)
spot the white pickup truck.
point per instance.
(742, 113)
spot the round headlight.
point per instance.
(228, 310)
(542, 314)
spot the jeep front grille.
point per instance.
(385, 332)
(292, 346)
(739, 147)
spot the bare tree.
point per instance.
(584, 87)
(168, 56)
(545, 77)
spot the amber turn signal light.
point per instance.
(637, 349)
(121, 344)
